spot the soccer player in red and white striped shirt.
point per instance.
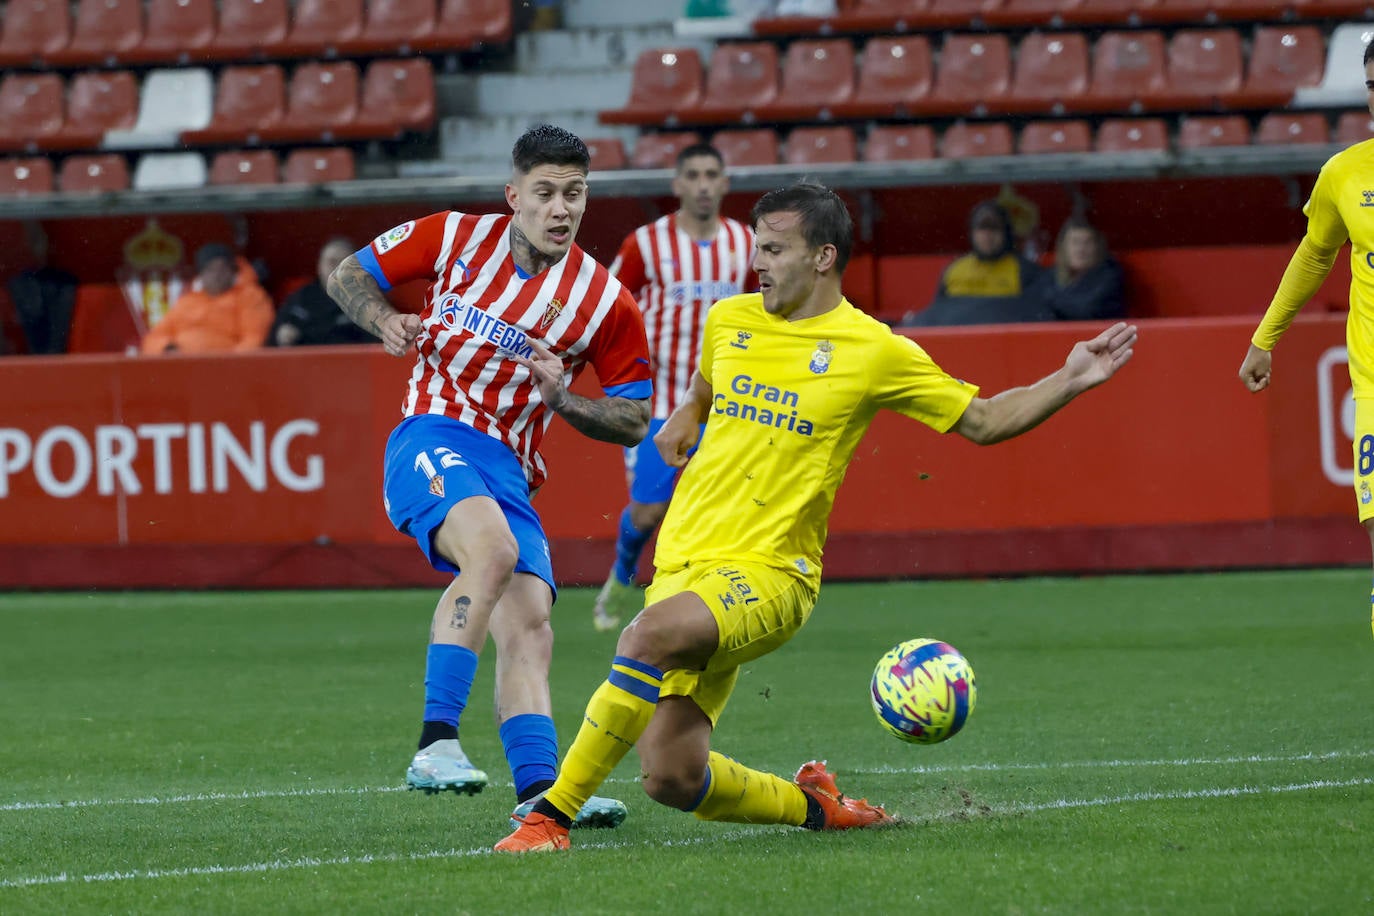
(514, 310)
(678, 266)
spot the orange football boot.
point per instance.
(841, 813)
(536, 833)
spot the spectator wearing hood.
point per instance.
(1085, 283)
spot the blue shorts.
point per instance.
(651, 480)
(433, 462)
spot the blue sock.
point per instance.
(531, 750)
(629, 544)
(448, 681)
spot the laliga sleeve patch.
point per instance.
(393, 237)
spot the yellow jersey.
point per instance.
(790, 402)
(1341, 207)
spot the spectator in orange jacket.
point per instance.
(228, 311)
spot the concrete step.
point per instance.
(572, 50)
(548, 95)
(489, 138)
(603, 13)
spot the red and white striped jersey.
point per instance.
(480, 309)
(676, 279)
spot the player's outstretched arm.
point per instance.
(357, 293)
(1256, 369)
(1013, 412)
(682, 429)
(624, 421)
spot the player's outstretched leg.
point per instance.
(828, 808)
(442, 766)
(620, 598)
(614, 602)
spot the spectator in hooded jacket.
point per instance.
(1085, 283)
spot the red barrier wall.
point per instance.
(264, 469)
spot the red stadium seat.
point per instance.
(608, 154)
(104, 32)
(104, 172)
(963, 140)
(321, 100)
(1282, 60)
(659, 151)
(950, 14)
(741, 79)
(1041, 13)
(1051, 72)
(177, 30)
(1224, 130)
(749, 146)
(974, 75)
(1354, 127)
(319, 28)
(1041, 137)
(1128, 68)
(1124, 135)
(31, 109)
(251, 29)
(820, 144)
(393, 27)
(1109, 12)
(21, 177)
(883, 15)
(1329, 9)
(244, 167)
(1292, 129)
(247, 101)
(664, 81)
(1204, 66)
(35, 31)
(97, 102)
(315, 166)
(817, 78)
(894, 78)
(397, 96)
(470, 24)
(899, 143)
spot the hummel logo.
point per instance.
(742, 340)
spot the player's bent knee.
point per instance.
(675, 789)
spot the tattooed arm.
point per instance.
(624, 421)
(358, 295)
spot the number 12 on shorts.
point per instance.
(448, 458)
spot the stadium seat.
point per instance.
(21, 177)
(608, 154)
(899, 143)
(320, 99)
(251, 29)
(1330, 9)
(741, 79)
(1128, 68)
(817, 78)
(894, 77)
(1041, 137)
(319, 28)
(1204, 66)
(664, 82)
(247, 100)
(1283, 59)
(31, 109)
(1282, 129)
(1033, 13)
(1051, 73)
(1124, 135)
(747, 146)
(172, 101)
(35, 31)
(397, 96)
(1109, 12)
(244, 167)
(867, 16)
(1354, 127)
(1341, 86)
(103, 33)
(973, 76)
(169, 171)
(963, 140)
(1196, 11)
(820, 144)
(315, 166)
(659, 151)
(1223, 130)
(393, 27)
(948, 14)
(177, 31)
(96, 103)
(105, 172)
(470, 24)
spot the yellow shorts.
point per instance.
(1364, 457)
(757, 609)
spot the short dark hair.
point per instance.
(549, 145)
(698, 149)
(1368, 52)
(213, 251)
(825, 219)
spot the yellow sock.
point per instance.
(736, 793)
(616, 716)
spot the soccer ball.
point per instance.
(923, 691)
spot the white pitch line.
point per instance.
(882, 771)
(274, 865)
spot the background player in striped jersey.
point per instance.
(676, 266)
(513, 311)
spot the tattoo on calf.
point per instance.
(459, 620)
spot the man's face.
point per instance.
(217, 276)
(786, 265)
(1369, 86)
(700, 185)
(331, 256)
(1080, 249)
(988, 237)
(548, 204)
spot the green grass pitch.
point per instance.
(1161, 744)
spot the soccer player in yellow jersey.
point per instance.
(789, 379)
(1341, 207)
